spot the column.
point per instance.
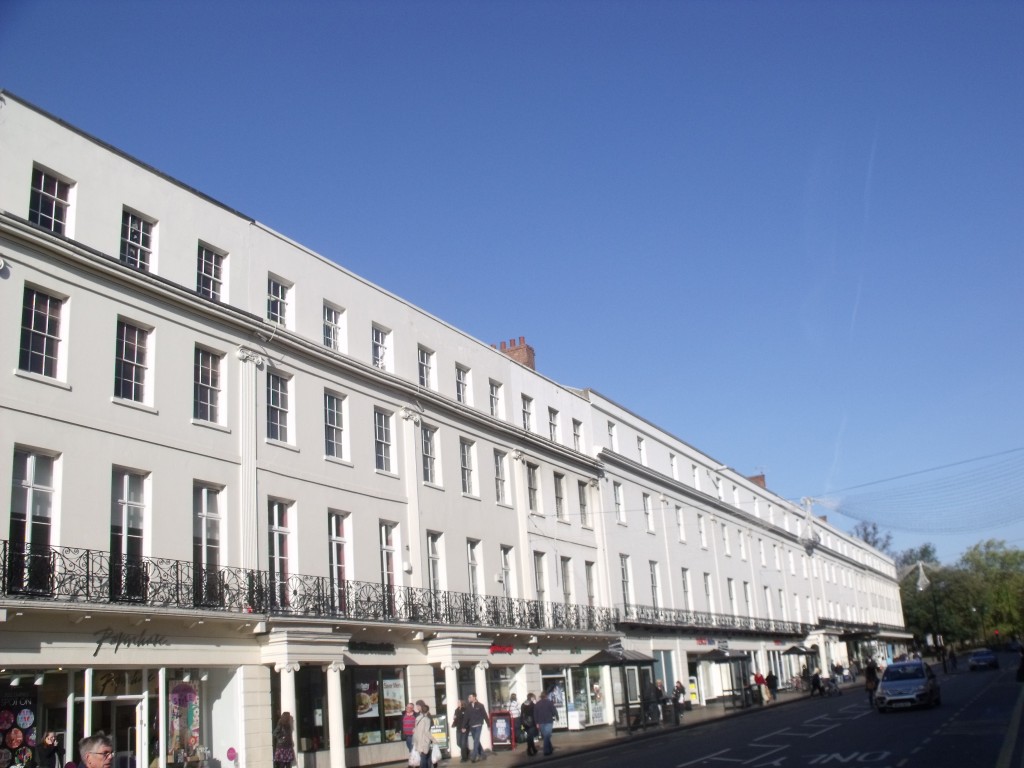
(287, 671)
(251, 362)
(71, 748)
(451, 689)
(87, 703)
(335, 722)
(480, 680)
(161, 698)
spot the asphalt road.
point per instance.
(978, 725)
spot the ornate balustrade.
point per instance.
(75, 575)
(651, 616)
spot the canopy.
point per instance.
(797, 650)
(617, 658)
(718, 656)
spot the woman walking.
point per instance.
(284, 746)
(529, 724)
(422, 740)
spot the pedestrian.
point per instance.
(51, 753)
(96, 751)
(762, 687)
(284, 745)
(772, 683)
(544, 714)
(870, 680)
(515, 712)
(409, 723)
(650, 704)
(422, 740)
(476, 719)
(952, 659)
(816, 686)
(461, 737)
(526, 716)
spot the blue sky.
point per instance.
(791, 233)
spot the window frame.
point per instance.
(131, 362)
(138, 240)
(40, 336)
(210, 271)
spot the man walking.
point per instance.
(544, 714)
(476, 719)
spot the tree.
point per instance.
(924, 554)
(869, 533)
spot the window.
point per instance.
(382, 439)
(40, 334)
(709, 594)
(334, 425)
(696, 477)
(388, 547)
(742, 540)
(565, 572)
(641, 450)
(277, 301)
(130, 362)
(730, 586)
(427, 435)
(425, 367)
(128, 581)
(136, 240)
(337, 542)
(760, 550)
(577, 435)
(673, 467)
(462, 391)
(687, 599)
(466, 465)
(206, 558)
(725, 540)
(32, 495)
(538, 575)
(277, 550)
(648, 513)
(209, 273)
(49, 202)
(531, 487)
(434, 561)
(681, 523)
(527, 413)
(553, 424)
(702, 531)
(588, 574)
(620, 512)
(655, 585)
(277, 407)
(473, 565)
(581, 489)
(334, 331)
(506, 571)
(559, 496)
(776, 558)
(499, 476)
(747, 599)
(379, 347)
(206, 386)
(624, 579)
(494, 395)
(613, 439)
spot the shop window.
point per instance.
(311, 718)
(375, 701)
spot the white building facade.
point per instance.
(246, 481)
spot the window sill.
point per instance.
(134, 405)
(41, 379)
(281, 444)
(563, 520)
(339, 461)
(434, 486)
(211, 425)
(386, 473)
(470, 496)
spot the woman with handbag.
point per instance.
(529, 724)
(284, 746)
(422, 739)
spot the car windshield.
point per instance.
(915, 672)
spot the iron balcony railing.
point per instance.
(652, 616)
(76, 575)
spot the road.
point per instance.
(977, 726)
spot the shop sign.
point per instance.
(360, 647)
(502, 649)
(118, 640)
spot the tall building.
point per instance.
(246, 481)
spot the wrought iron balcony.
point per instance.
(75, 575)
(651, 616)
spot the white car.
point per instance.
(907, 684)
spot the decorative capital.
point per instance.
(335, 666)
(247, 355)
(287, 666)
(450, 665)
(408, 415)
(518, 455)
(482, 665)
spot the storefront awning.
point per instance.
(617, 658)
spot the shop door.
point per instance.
(127, 718)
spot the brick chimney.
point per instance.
(521, 352)
(758, 480)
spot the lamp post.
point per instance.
(922, 583)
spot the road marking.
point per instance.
(1006, 753)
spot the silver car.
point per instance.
(907, 684)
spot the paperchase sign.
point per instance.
(116, 640)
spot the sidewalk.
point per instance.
(577, 742)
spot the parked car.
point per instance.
(907, 684)
(982, 658)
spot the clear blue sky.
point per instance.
(790, 233)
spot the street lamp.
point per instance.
(922, 583)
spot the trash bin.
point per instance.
(755, 695)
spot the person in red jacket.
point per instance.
(409, 723)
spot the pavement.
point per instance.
(568, 743)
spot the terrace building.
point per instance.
(244, 480)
